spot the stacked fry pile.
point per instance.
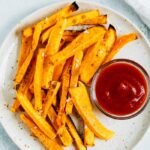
(54, 67)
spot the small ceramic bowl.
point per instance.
(93, 88)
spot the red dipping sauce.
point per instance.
(121, 88)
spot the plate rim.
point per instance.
(53, 4)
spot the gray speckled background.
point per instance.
(12, 11)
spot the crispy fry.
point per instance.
(75, 68)
(65, 136)
(65, 84)
(50, 21)
(75, 135)
(80, 43)
(88, 116)
(39, 121)
(36, 36)
(64, 12)
(88, 134)
(24, 50)
(80, 18)
(24, 86)
(64, 91)
(96, 54)
(48, 71)
(27, 32)
(48, 143)
(54, 87)
(55, 37)
(120, 42)
(96, 21)
(58, 71)
(38, 79)
(21, 72)
(74, 77)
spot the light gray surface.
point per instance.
(13, 11)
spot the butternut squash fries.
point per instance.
(48, 143)
(55, 65)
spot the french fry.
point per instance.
(27, 32)
(50, 21)
(21, 72)
(64, 91)
(36, 36)
(24, 86)
(64, 12)
(65, 137)
(24, 50)
(65, 84)
(80, 43)
(75, 68)
(38, 79)
(88, 134)
(74, 77)
(88, 116)
(48, 143)
(48, 71)
(55, 37)
(80, 18)
(58, 71)
(39, 121)
(96, 21)
(120, 42)
(54, 87)
(96, 55)
(75, 135)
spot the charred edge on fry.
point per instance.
(75, 128)
(111, 26)
(75, 6)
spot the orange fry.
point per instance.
(48, 143)
(54, 87)
(39, 121)
(38, 78)
(122, 41)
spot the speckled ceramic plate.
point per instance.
(128, 132)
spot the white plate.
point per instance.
(128, 132)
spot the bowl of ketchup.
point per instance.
(120, 88)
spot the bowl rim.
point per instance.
(93, 85)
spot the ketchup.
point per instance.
(121, 88)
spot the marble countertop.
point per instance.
(12, 11)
